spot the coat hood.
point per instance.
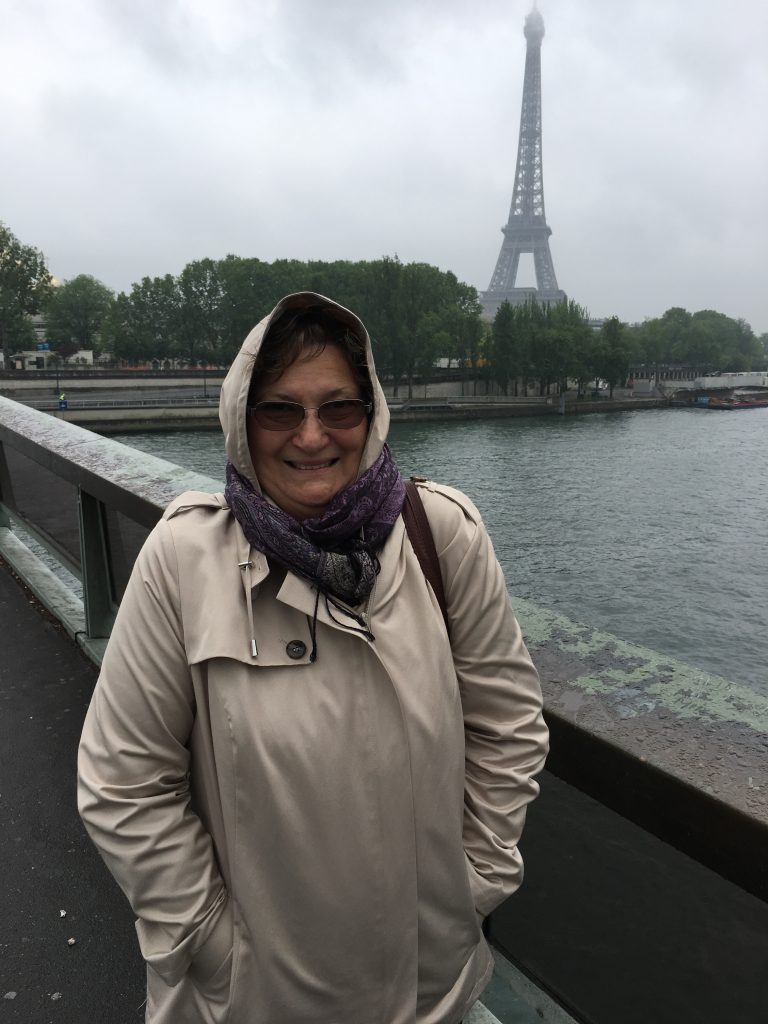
(234, 390)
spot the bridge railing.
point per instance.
(88, 502)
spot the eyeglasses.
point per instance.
(341, 414)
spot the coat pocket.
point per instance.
(210, 973)
(213, 995)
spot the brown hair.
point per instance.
(308, 332)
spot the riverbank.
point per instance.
(201, 414)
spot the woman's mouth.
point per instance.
(310, 467)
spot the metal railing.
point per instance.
(191, 401)
(89, 503)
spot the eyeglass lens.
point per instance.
(342, 414)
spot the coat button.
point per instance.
(296, 649)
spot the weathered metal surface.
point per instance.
(60, 601)
(123, 478)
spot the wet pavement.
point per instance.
(67, 945)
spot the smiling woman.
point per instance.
(309, 789)
(301, 467)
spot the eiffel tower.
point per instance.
(526, 231)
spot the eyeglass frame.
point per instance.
(367, 407)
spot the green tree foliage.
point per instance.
(613, 353)
(75, 312)
(415, 312)
(24, 288)
(547, 342)
(504, 365)
(465, 328)
(200, 307)
(563, 344)
(705, 340)
(147, 323)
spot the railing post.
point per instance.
(6, 491)
(98, 589)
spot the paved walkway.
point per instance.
(55, 886)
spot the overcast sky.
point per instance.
(138, 135)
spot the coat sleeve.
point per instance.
(133, 777)
(506, 739)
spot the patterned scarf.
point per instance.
(335, 551)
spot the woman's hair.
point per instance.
(307, 333)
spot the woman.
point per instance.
(309, 794)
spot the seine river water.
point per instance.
(652, 526)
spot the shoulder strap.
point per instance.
(420, 536)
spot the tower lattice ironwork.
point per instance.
(526, 231)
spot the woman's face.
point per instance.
(302, 469)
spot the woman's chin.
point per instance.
(308, 501)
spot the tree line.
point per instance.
(415, 312)
(554, 345)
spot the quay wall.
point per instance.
(148, 418)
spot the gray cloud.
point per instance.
(139, 136)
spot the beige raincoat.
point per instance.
(311, 843)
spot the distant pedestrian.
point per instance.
(309, 791)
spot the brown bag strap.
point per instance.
(420, 535)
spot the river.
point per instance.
(651, 526)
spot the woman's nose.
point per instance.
(311, 431)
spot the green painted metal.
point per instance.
(98, 586)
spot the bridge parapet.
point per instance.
(89, 502)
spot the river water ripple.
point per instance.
(652, 526)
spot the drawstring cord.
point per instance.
(364, 630)
(313, 627)
(247, 566)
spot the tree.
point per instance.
(75, 313)
(613, 353)
(424, 293)
(145, 324)
(464, 325)
(705, 340)
(25, 284)
(562, 343)
(503, 336)
(431, 341)
(200, 310)
(250, 288)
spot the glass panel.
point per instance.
(124, 540)
(48, 502)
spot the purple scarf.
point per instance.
(335, 551)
